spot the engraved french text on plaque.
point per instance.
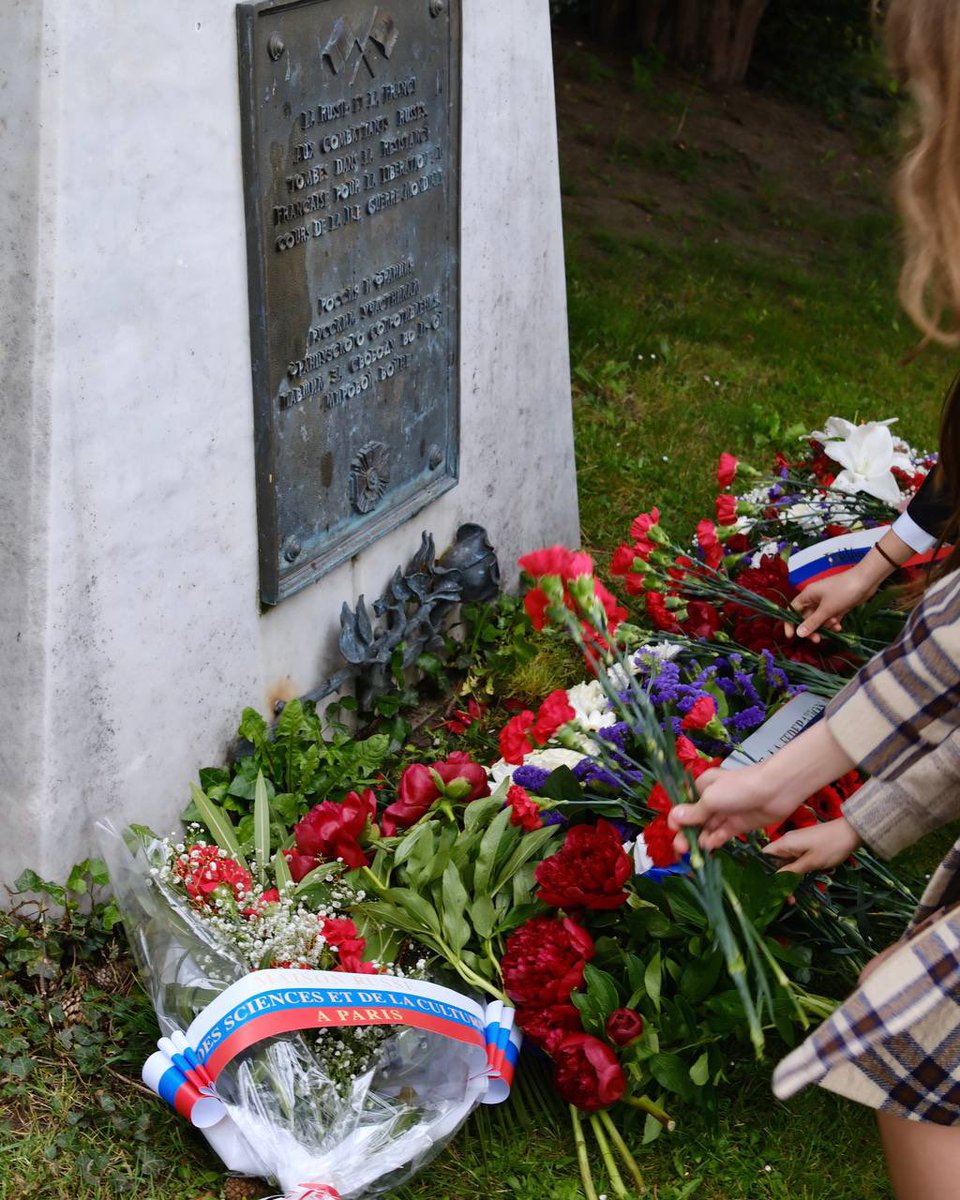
(350, 155)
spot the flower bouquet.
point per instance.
(301, 1057)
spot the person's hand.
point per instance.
(731, 802)
(824, 604)
(815, 848)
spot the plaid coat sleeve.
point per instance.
(893, 1044)
(891, 814)
(906, 700)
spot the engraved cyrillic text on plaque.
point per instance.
(351, 154)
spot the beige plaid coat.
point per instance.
(895, 1043)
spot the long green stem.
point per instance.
(629, 1161)
(616, 1179)
(645, 1104)
(583, 1162)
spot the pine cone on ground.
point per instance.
(242, 1188)
(71, 1003)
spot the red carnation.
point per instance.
(209, 876)
(624, 1025)
(709, 543)
(525, 812)
(622, 560)
(643, 544)
(658, 839)
(701, 622)
(701, 713)
(556, 560)
(548, 1026)
(332, 830)
(726, 469)
(535, 604)
(337, 930)
(659, 614)
(543, 961)
(726, 509)
(826, 803)
(687, 752)
(555, 711)
(350, 953)
(615, 612)
(418, 789)
(588, 1072)
(514, 740)
(659, 798)
(588, 871)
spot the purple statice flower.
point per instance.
(750, 718)
(774, 676)
(615, 734)
(729, 687)
(745, 681)
(530, 777)
(552, 816)
(588, 770)
(625, 830)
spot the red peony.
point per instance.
(332, 830)
(300, 864)
(588, 1072)
(543, 961)
(546, 1027)
(588, 871)
(208, 875)
(418, 789)
(624, 1025)
(525, 812)
(555, 711)
(514, 739)
(701, 713)
(726, 469)
(726, 509)
(658, 839)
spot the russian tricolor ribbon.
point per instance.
(840, 553)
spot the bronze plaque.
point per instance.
(351, 123)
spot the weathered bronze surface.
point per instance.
(351, 154)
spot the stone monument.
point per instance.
(201, 458)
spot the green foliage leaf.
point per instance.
(219, 825)
(261, 827)
(671, 1073)
(455, 901)
(419, 909)
(497, 839)
(601, 987)
(653, 978)
(700, 1071)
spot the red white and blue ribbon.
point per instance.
(840, 553)
(503, 1040)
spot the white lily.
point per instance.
(839, 428)
(868, 456)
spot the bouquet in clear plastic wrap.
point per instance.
(300, 1059)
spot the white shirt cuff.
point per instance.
(907, 530)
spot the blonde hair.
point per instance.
(924, 42)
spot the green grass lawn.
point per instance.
(688, 337)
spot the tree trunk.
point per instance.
(686, 32)
(719, 36)
(744, 36)
(608, 18)
(646, 22)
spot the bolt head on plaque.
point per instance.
(275, 46)
(436, 7)
(291, 549)
(436, 457)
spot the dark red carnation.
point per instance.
(624, 1025)
(543, 961)
(826, 803)
(330, 830)
(588, 1072)
(702, 620)
(588, 871)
